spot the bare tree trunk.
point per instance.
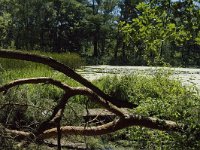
(95, 45)
(117, 47)
(42, 39)
(124, 59)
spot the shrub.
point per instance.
(157, 96)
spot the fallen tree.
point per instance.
(51, 127)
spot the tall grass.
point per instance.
(40, 98)
(161, 97)
(72, 60)
(157, 96)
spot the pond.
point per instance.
(188, 76)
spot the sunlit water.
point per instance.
(188, 76)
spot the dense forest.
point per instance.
(129, 32)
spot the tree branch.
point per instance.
(94, 93)
(64, 69)
(35, 81)
(132, 120)
(56, 116)
(112, 108)
(72, 90)
(19, 134)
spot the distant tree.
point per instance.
(5, 23)
(167, 32)
(100, 24)
(159, 24)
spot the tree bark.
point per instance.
(51, 127)
(131, 120)
(67, 71)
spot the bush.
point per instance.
(157, 96)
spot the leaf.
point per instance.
(171, 26)
(197, 40)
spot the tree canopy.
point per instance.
(150, 32)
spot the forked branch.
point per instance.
(70, 90)
(64, 69)
(48, 129)
(121, 123)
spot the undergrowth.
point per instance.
(72, 60)
(157, 96)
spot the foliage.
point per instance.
(158, 96)
(23, 104)
(153, 28)
(20, 106)
(5, 21)
(72, 60)
(122, 31)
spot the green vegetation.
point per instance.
(120, 32)
(26, 102)
(161, 32)
(117, 32)
(157, 96)
(72, 60)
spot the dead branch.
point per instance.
(48, 128)
(19, 134)
(56, 116)
(45, 80)
(131, 120)
(66, 70)
(71, 90)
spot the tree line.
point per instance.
(136, 32)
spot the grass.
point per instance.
(40, 98)
(72, 60)
(157, 96)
